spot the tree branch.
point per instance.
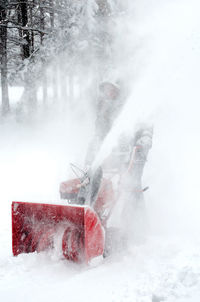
(25, 28)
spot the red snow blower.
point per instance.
(80, 229)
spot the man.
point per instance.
(129, 159)
(134, 218)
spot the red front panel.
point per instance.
(31, 220)
(34, 225)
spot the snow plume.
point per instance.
(160, 62)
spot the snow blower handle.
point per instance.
(84, 178)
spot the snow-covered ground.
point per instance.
(34, 159)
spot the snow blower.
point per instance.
(36, 226)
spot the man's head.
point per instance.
(109, 90)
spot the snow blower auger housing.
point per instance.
(35, 227)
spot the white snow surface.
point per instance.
(34, 159)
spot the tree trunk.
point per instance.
(25, 33)
(44, 87)
(3, 62)
(44, 75)
(42, 20)
(31, 25)
(51, 13)
(55, 81)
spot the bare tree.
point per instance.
(67, 38)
